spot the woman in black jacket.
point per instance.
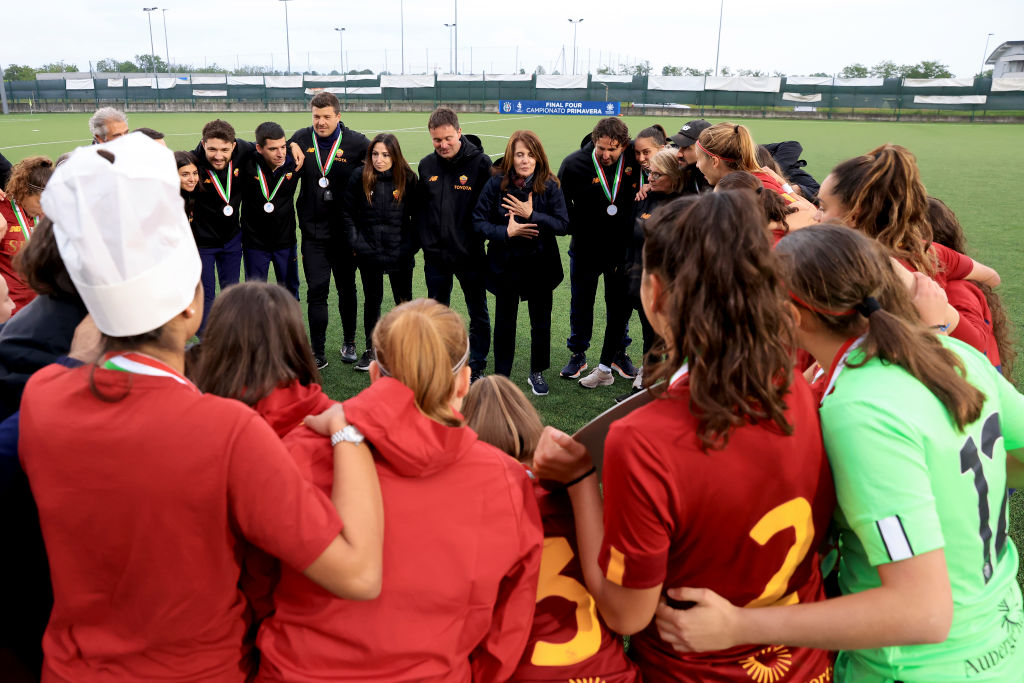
(520, 212)
(378, 216)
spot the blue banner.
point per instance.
(560, 107)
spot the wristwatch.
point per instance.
(349, 433)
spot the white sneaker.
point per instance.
(597, 378)
(638, 383)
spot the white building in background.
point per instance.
(1007, 60)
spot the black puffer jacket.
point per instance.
(522, 265)
(446, 196)
(642, 213)
(381, 231)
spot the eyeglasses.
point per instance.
(654, 175)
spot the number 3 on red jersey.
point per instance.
(587, 641)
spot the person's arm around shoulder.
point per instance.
(983, 274)
(561, 458)
(352, 565)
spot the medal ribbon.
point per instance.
(26, 230)
(263, 184)
(325, 168)
(839, 362)
(217, 186)
(613, 193)
(141, 364)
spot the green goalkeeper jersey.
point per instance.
(908, 482)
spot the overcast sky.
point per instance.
(792, 37)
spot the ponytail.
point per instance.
(846, 281)
(886, 201)
(423, 345)
(656, 132)
(732, 144)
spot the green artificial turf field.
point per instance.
(973, 167)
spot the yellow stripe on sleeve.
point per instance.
(616, 566)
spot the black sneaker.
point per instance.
(363, 364)
(475, 375)
(321, 362)
(577, 364)
(624, 366)
(348, 352)
(632, 392)
(537, 383)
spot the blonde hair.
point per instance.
(500, 414)
(666, 163)
(419, 343)
(732, 144)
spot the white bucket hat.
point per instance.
(121, 230)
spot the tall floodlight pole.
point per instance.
(718, 50)
(401, 15)
(341, 47)
(455, 23)
(167, 48)
(152, 49)
(451, 57)
(984, 57)
(575, 24)
(287, 36)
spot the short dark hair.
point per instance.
(443, 116)
(149, 132)
(613, 128)
(326, 99)
(220, 129)
(268, 131)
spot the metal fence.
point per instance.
(893, 96)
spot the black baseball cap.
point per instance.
(689, 133)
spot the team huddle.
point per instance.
(816, 490)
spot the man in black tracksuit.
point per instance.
(334, 152)
(268, 180)
(451, 179)
(215, 225)
(601, 225)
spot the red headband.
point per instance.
(712, 154)
(803, 304)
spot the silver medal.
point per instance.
(228, 209)
(612, 209)
(323, 182)
(269, 207)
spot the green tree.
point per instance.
(752, 72)
(690, 71)
(669, 70)
(821, 74)
(150, 63)
(540, 71)
(58, 67)
(602, 71)
(857, 70)
(927, 69)
(725, 71)
(987, 73)
(19, 72)
(111, 64)
(887, 69)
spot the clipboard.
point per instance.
(593, 434)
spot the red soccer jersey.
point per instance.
(145, 504)
(462, 550)
(13, 241)
(952, 265)
(975, 326)
(568, 641)
(744, 521)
